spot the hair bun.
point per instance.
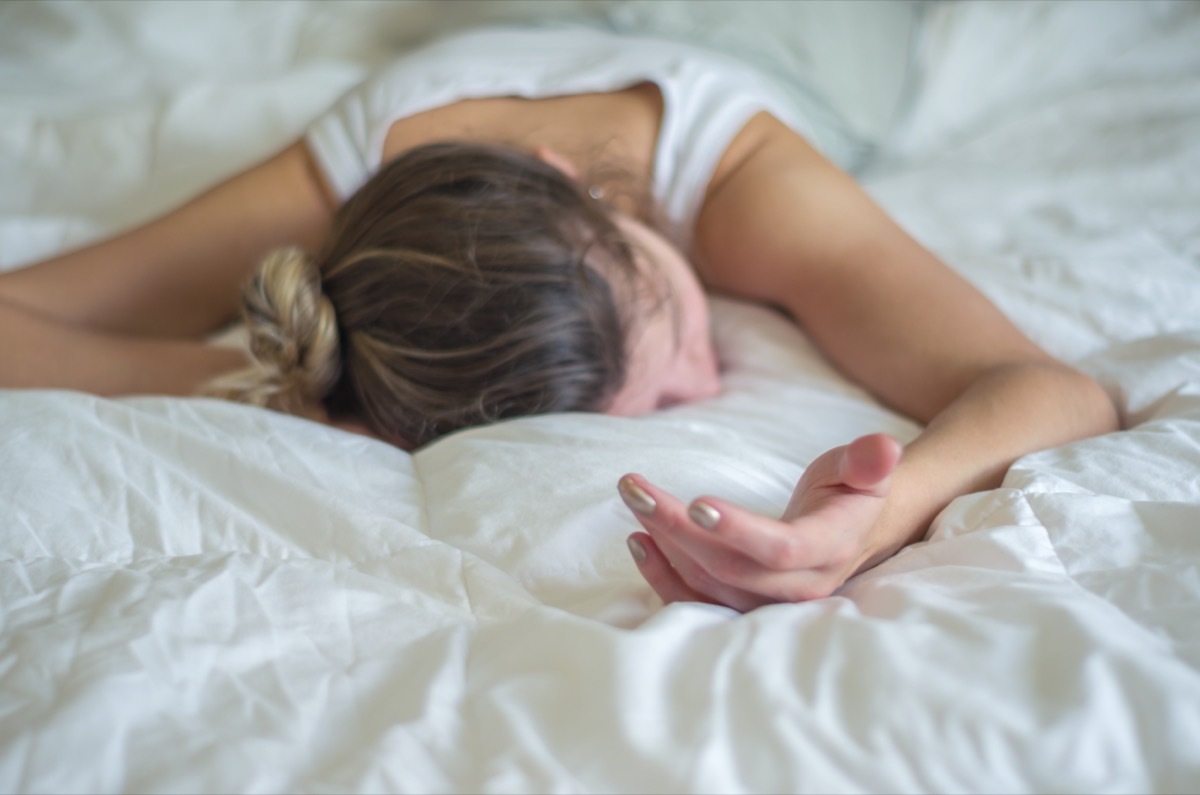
(293, 336)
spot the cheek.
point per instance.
(705, 347)
(699, 328)
(650, 364)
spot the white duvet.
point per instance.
(199, 596)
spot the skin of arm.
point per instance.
(180, 275)
(788, 228)
(782, 227)
(100, 362)
(123, 316)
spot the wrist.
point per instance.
(908, 510)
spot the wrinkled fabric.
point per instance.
(200, 596)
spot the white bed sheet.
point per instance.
(198, 596)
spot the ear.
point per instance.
(553, 158)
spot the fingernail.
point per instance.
(637, 550)
(704, 515)
(636, 497)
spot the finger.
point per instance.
(653, 508)
(868, 462)
(658, 510)
(710, 565)
(660, 513)
(806, 543)
(716, 559)
(657, 571)
(675, 567)
(792, 562)
(698, 579)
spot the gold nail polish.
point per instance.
(636, 549)
(636, 497)
(704, 515)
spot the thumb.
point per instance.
(869, 461)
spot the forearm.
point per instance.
(1004, 414)
(180, 275)
(37, 352)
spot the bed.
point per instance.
(197, 596)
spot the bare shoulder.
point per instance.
(776, 207)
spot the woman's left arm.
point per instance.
(788, 228)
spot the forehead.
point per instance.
(659, 262)
(665, 282)
(658, 265)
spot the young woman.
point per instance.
(463, 239)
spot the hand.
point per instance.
(715, 551)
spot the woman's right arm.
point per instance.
(40, 352)
(179, 276)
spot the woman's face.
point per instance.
(671, 357)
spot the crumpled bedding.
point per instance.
(200, 596)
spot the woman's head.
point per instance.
(463, 284)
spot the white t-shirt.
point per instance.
(707, 99)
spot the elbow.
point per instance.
(1084, 406)
(1095, 405)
